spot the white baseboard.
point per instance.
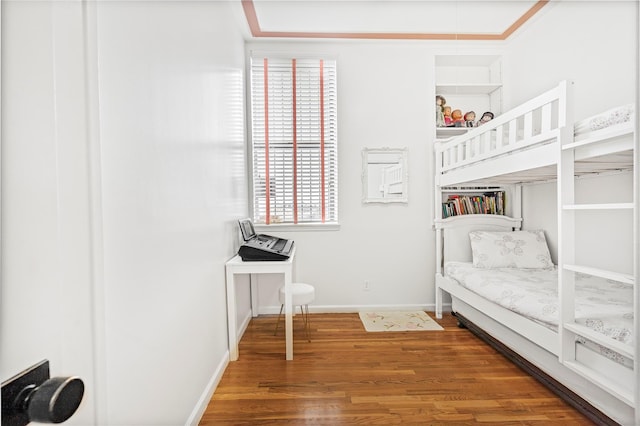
(243, 326)
(207, 394)
(342, 309)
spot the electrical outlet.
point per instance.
(366, 286)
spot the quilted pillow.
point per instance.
(518, 249)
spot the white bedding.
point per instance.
(611, 117)
(602, 305)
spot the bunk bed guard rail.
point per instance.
(535, 122)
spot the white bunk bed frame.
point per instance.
(531, 143)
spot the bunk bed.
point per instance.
(581, 338)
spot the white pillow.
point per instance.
(518, 249)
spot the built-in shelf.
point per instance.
(476, 202)
(467, 89)
(468, 83)
(448, 132)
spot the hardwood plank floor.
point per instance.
(346, 375)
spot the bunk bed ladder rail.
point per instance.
(567, 268)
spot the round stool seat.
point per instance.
(302, 293)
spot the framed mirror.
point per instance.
(384, 175)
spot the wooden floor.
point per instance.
(348, 376)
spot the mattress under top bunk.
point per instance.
(602, 305)
(522, 145)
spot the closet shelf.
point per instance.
(603, 381)
(600, 339)
(602, 273)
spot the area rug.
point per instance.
(398, 321)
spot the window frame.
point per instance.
(316, 225)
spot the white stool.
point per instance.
(302, 294)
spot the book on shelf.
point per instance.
(486, 203)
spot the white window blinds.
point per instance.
(294, 140)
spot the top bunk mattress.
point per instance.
(613, 117)
(602, 305)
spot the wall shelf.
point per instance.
(467, 88)
(468, 83)
(448, 132)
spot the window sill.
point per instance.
(301, 227)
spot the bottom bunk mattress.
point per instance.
(602, 305)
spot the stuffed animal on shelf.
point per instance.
(486, 117)
(446, 110)
(440, 103)
(470, 119)
(456, 117)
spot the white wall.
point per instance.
(374, 111)
(385, 99)
(123, 173)
(45, 310)
(173, 171)
(595, 45)
(611, 229)
(592, 43)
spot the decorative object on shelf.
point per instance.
(446, 110)
(470, 119)
(440, 103)
(470, 82)
(456, 117)
(486, 117)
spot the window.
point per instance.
(294, 140)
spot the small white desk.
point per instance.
(237, 266)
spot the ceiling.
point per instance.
(389, 19)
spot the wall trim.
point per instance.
(256, 30)
(207, 394)
(243, 326)
(345, 309)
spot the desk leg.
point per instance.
(254, 294)
(231, 316)
(288, 311)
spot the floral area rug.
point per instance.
(398, 321)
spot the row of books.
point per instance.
(487, 203)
